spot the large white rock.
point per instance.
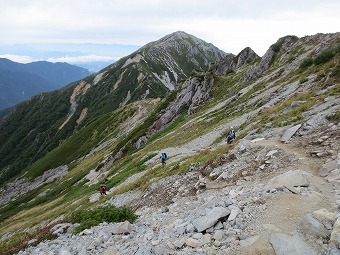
(326, 217)
(210, 219)
(310, 226)
(289, 133)
(290, 245)
(335, 236)
(290, 179)
(122, 228)
(193, 242)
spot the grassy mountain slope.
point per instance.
(295, 82)
(39, 125)
(16, 87)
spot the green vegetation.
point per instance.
(326, 55)
(92, 217)
(23, 135)
(334, 117)
(306, 63)
(104, 127)
(336, 72)
(20, 241)
(322, 58)
(303, 80)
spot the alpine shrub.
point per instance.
(110, 213)
(325, 56)
(306, 63)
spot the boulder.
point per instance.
(180, 243)
(193, 242)
(334, 176)
(290, 179)
(211, 218)
(142, 140)
(289, 133)
(218, 235)
(122, 228)
(309, 226)
(335, 236)
(233, 214)
(325, 217)
(290, 245)
(327, 168)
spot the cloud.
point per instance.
(67, 59)
(18, 58)
(228, 24)
(82, 59)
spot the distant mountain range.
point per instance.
(91, 56)
(19, 82)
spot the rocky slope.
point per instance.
(274, 191)
(272, 198)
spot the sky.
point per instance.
(231, 25)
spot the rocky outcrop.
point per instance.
(198, 89)
(280, 46)
(195, 92)
(23, 185)
(231, 63)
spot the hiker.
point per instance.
(163, 158)
(102, 189)
(230, 135)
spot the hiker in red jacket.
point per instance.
(102, 189)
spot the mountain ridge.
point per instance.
(211, 197)
(130, 79)
(21, 81)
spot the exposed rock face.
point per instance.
(23, 185)
(280, 46)
(197, 90)
(232, 63)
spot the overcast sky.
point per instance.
(231, 25)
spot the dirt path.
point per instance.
(287, 209)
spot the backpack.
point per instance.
(164, 156)
(231, 133)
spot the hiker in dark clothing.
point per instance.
(230, 135)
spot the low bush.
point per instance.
(326, 55)
(306, 63)
(336, 72)
(303, 80)
(110, 213)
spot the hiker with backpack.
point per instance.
(163, 158)
(230, 135)
(102, 189)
